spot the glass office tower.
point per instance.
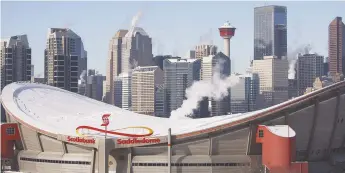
(270, 31)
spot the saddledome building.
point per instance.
(53, 130)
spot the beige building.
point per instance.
(144, 83)
(273, 79)
(113, 64)
(204, 50)
(324, 81)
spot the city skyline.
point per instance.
(299, 26)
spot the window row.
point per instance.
(191, 164)
(55, 161)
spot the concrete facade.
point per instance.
(273, 79)
(143, 88)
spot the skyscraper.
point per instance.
(273, 79)
(65, 59)
(336, 46)
(122, 91)
(136, 50)
(309, 67)
(210, 64)
(179, 74)
(114, 64)
(204, 50)
(270, 31)
(245, 93)
(144, 82)
(15, 62)
(94, 85)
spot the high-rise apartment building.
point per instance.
(244, 94)
(65, 59)
(15, 62)
(179, 74)
(211, 64)
(144, 82)
(114, 64)
(270, 31)
(205, 50)
(273, 79)
(336, 46)
(94, 85)
(122, 90)
(309, 67)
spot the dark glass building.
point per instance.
(270, 31)
(179, 74)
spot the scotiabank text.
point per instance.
(81, 140)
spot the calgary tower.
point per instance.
(227, 32)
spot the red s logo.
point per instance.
(105, 119)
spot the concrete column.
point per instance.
(103, 156)
(227, 47)
(104, 148)
(169, 150)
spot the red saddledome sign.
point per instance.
(138, 141)
(134, 138)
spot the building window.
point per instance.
(261, 133)
(10, 131)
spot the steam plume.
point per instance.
(216, 88)
(82, 77)
(135, 19)
(206, 38)
(293, 57)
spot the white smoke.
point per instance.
(135, 19)
(293, 57)
(82, 77)
(292, 70)
(40, 75)
(216, 88)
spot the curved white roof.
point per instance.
(282, 130)
(60, 112)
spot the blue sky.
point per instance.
(175, 27)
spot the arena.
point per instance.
(53, 130)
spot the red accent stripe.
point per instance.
(112, 132)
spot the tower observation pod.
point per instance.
(227, 32)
